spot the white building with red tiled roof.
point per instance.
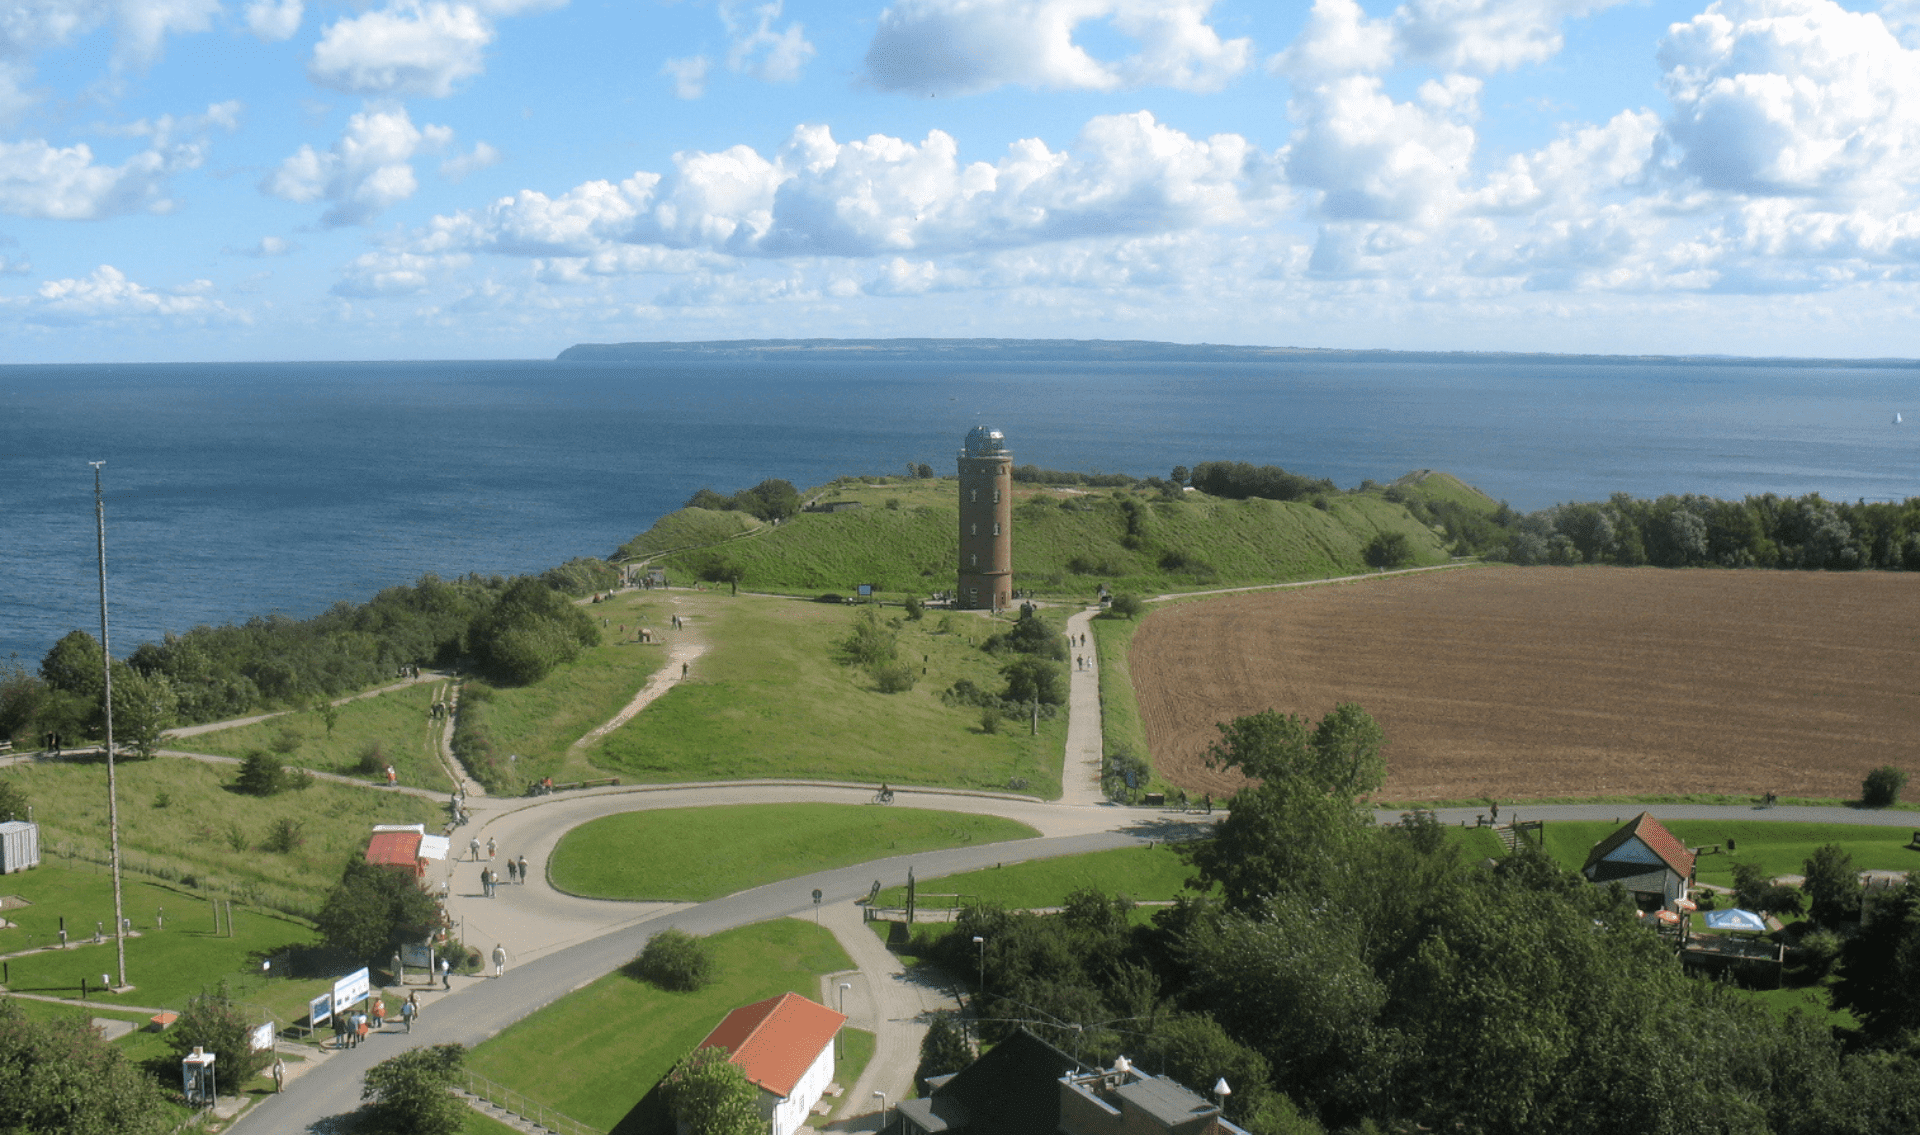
(1648, 861)
(784, 1045)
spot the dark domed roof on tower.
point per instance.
(983, 442)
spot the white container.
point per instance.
(19, 846)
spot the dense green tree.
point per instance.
(144, 707)
(1754, 890)
(532, 630)
(57, 1077)
(944, 1050)
(375, 909)
(1881, 788)
(1127, 606)
(1832, 886)
(412, 1093)
(212, 1020)
(771, 499)
(712, 501)
(676, 960)
(13, 799)
(1388, 550)
(1879, 977)
(709, 1095)
(73, 665)
(262, 774)
(1031, 678)
(870, 643)
(21, 697)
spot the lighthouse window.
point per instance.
(973, 530)
(973, 497)
(973, 561)
(996, 496)
(996, 530)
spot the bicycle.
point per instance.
(882, 797)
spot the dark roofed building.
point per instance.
(1646, 859)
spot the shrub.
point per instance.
(216, 1023)
(989, 719)
(1124, 776)
(412, 1093)
(708, 1094)
(676, 960)
(915, 609)
(1127, 606)
(373, 760)
(896, 678)
(286, 835)
(1882, 787)
(1818, 952)
(261, 774)
(1388, 550)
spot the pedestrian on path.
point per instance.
(380, 1014)
(473, 845)
(279, 1075)
(513, 870)
(446, 974)
(499, 959)
(489, 849)
(391, 778)
(407, 1010)
(523, 870)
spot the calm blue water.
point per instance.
(243, 489)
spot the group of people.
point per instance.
(349, 1029)
(490, 879)
(1083, 662)
(440, 710)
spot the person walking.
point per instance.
(489, 849)
(513, 870)
(407, 1009)
(473, 845)
(499, 959)
(523, 870)
(380, 1014)
(279, 1075)
(446, 974)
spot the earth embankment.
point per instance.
(1519, 683)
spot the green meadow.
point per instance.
(770, 700)
(1777, 848)
(696, 854)
(1142, 874)
(182, 821)
(595, 1053)
(397, 721)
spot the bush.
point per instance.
(261, 774)
(1124, 776)
(1388, 550)
(373, 760)
(708, 1094)
(286, 835)
(676, 960)
(1818, 952)
(215, 1022)
(1127, 606)
(412, 1093)
(896, 678)
(915, 609)
(1882, 787)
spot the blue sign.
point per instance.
(320, 1010)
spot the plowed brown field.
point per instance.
(1519, 683)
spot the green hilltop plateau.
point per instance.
(1146, 537)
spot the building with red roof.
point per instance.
(397, 849)
(784, 1045)
(1648, 861)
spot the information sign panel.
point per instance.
(261, 1039)
(320, 1010)
(352, 989)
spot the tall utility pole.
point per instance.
(113, 787)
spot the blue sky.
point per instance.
(273, 179)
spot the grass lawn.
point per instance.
(675, 854)
(396, 721)
(166, 965)
(769, 700)
(1141, 873)
(181, 820)
(1778, 848)
(1120, 724)
(595, 1053)
(856, 1048)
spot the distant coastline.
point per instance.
(1135, 350)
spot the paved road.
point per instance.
(487, 1006)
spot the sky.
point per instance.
(198, 180)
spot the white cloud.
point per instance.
(884, 196)
(459, 166)
(274, 20)
(67, 184)
(1375, 159)
(378, 275)
(1795, 98)
(266, 246)
(689, 76)
(1487, 35)
(969, 46)
(108, 294)
(758, 50)
(366, 171)
(141, 27)
(408, 48)
(1339, 39)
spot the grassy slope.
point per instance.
(1434, 486)
(189, 836)
(1142, 874)
(910, 549)
(688, 527)
(594, 1053)
(396, 720)
(769, 701)
(696, 854)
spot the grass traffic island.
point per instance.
(595, 1054)
(769, 699)
(696, 854)
(1143, 874)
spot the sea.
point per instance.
(239, 490)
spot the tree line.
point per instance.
(1350, 977)
(513, 630)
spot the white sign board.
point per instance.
(320, 1010)
(352, 989)
(417, 954)
(262, 1038)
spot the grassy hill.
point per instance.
(1067, 541)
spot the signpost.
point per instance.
(816, 906)
(261, 1039)
(352, 989)
(320, 1010)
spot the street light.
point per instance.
(106, 674)
(839, 1044)
(883, 1109)
(980, 944)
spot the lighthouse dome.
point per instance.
(983, 442)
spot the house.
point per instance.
(1646, 859)
(1025, 1086)
(406, 846)
(784, 1045)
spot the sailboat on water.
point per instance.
(1896, 417)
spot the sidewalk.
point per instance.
(1080, 774)
(888, 1000)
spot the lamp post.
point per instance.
(839, 1044)
(979, 944)
(106, 668)
(1220, 1093)
(883, 1109)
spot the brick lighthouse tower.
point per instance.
(986, 522)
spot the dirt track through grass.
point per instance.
(1521, 683)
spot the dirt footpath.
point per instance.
(1530, 682)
